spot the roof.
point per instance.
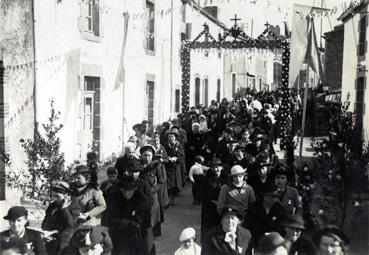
(352, 10)
(195, 5)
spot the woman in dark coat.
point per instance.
(175, 155)
(213, 182)
(152, 174)
(61, 217)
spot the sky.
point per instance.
(275, 12)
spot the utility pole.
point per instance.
(2, 128)
(35, 112)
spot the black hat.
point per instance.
(89, 236)
(133, 165)
(145, 122)
(148, 147)
(333, 231)
(82, 169)
(231, 210)
(216, 162)
(126, 184)
(180, 115)
(111, 170)
(15, 212)
(270, 190)
(293, 221)
(61, 187)
(270, 241)
(139, 125)
(281, 171)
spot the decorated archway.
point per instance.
(236, 38)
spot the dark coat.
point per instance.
(223, 152)
(64, 220)
(303, 246)
(129, 221)
(174, 173)
(32, 238)
(214, 243)
(120, 165)
(259, 222)
(209, 195)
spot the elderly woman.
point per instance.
(152, 173)
(129, 153)
(61, 218)
(331, 241)
(175, 155)
(228, 237)
(236, 192)
(87, 194)
(18, 222)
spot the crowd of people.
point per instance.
(249, 199)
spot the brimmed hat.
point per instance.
(187, 234)
(237, 169)
(89, 236)
(270, 190)
(139, 125)
(15, 212)
(127, 185)
(231, 210)
(82, 169)
(133, 165)
(61, 187)
(270, 241)
(293, 221)
(333, 231)
(148, 147)
(216, 162)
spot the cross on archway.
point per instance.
(267, 25)
(235, 19)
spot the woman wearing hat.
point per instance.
(188, 245)
(212, 184)
(175, 156)
(228, 237)
(293, 231)
(237, 192)
(272, 244)
(238, 157)
(152, 174)
(18, 222)
(87, 194)
(61, 217)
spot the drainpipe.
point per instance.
(35, 112)
(171, 57)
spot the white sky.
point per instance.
(272, 11)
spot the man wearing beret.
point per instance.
(128, 217)
(228, 238)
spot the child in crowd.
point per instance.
(196, 175)
(188, 245)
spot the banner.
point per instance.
(313, 54)
(121, 70)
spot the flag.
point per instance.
(121, 70)
(302, 16)
(312, 53)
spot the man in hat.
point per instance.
(90, 240)
(289, 196)
(270, 244)
(265, 214)
(225, 146)
(60, 218)
(195, 144)
(228, 237)
(262, 177)
(18, 220)
(129, 219)
(238, 157)
(292, 230)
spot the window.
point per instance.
(93, 17)
(206, 92)
(150, 26)
(197, 91)
(233, 84)
(88, 122)
(362, 36)
(177, 101)
(150, 103)
(218, 90)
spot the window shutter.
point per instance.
(188, 30)
(96, 18)
(82, 22)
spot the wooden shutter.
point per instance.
(96, 18)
